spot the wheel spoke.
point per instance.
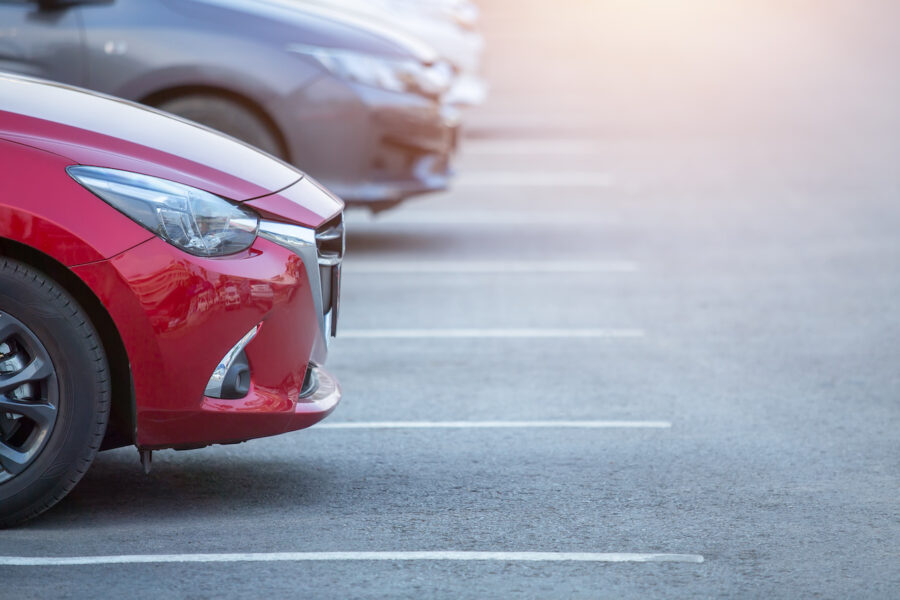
(27, 374)
(7, 327)
(42, 414)
(37, 370)
(12, 460)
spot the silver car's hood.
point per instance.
(369, 35)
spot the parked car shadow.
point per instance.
(116, 489)
(392, 240)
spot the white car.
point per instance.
(448, 26)
(463, 13)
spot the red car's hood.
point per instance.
(97, 130)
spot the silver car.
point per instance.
(357, 106)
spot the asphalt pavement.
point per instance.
(652, 333)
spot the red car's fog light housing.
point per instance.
(231, 379)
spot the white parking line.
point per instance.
(469, 217)
(508, 266)
(535, 179)
(529, 147)
(497, 425)
(129, 559)
(490, 333)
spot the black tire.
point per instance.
(227, 116)
(41, 323)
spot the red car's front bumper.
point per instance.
(178, 315)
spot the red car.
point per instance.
(161, 285)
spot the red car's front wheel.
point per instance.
(54, 392)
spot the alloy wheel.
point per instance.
(29, 397)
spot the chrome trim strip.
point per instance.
(302, 242)
(214, 387)
(328, 393)
(335, 233)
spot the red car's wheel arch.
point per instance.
(122, 420)
(52, 224)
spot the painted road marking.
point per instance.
(496, 425)
(490, 333)
(469, 217)
(530, 147)
(508, 266)
(536, 179)
(127, 559)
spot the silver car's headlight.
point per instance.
(396, 75)
(195, 221)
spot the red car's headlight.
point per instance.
(193, 220)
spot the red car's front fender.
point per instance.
(42, 207)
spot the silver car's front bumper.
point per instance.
(469, 90)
